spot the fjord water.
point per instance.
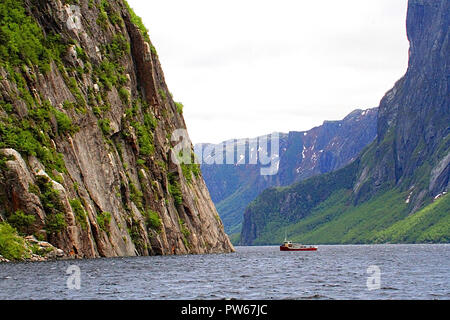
(333, 272)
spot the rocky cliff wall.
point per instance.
(403, 171)
(85, 137)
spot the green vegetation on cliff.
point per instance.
(21, 221)
(336, 209)
(383, 219)
(22, 40)
(282, 206)
(302, 155)
(347, 207)
(400, 182)
(82, 109)
(431, 224)
(12, 246)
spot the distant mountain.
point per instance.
(396, 190)
(301, 155)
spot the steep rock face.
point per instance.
(85, 139)
(404, 170)
(301, 155)
(414, 117)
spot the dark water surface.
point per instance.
(333, 272)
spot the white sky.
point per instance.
(244, 68)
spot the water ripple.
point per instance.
(333, 272)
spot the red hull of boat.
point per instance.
(283, 248)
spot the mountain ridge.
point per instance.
(399, 174)
(302, 154)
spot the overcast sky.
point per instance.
(244, 68)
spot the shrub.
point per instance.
(153, 220)
(97, 111)
(80, 213)
(81, 102)
(55, 223)
(102, 19)
(136, 195)
(134, 232)
(180, 107)
(104, 125)
(49, 197)
(195, 168)
(67, 105)
(145, 139)
(64, 123)
(119, 47)
(21, 140)
(103, 220)
(187, 173)
(106, 72)
(175, 189)
(185, 231)
(107, 13)
(138, 22)
(110, 74)
(12, 247)
(21, 221)
(22, 39)
(116, 19)
(81, 54)
(124, 95)
(34, 189)
(54, 209)
(153, 50)
(190, 169)
(150, 121)
(162, 94)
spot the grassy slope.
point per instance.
(230, 209)
(234, 238)
(382, 219)
(379, 217)
(431, 224)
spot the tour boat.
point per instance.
(289, 246)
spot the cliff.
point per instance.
(396, 190)
(301, 155)
(86, 120)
